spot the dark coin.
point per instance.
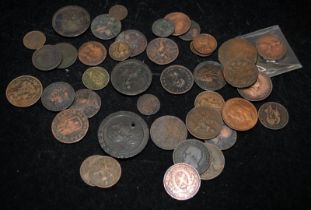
(135, 39)
(217, 162)
(193, 32)
(148, 104)
(46, 58)
(205, 44)
(92, 53)
(118, 11)
(95, 78)
(226, 138)
(105, 27)
(273, 115)
(123, 134)
(162, 51)
(119, 51)
(131, 77)
(193, 152)
(69, 54)
(176, 79)
(209, 99)
(57, 96)
(163, 27)
(34, 40)
(71, 21)
(271, 47)
(181, 22)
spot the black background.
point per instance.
(265, 169)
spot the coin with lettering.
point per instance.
(148, 104)
(162, 51)
(226, 138)
(105, 27)
(119, 50)
(34, 40)
(181, 22)
(46, 58)
(69, 54)
(273, 115)
(271, 47)
(95, 78)
(205, 44)
(209, 99)
(217, 162)
(92, 53)
(193, 32)
(135, 39)
(118, 11)
(163, 27)
(85, 167)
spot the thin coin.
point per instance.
(34, 40)
(135, 39)
(209, 99)
(239, 114)
(46, 58)
(148, 104)
(105, 27)
(271, 47)
(205, 44)
(163, 27)
(181, 22)
(167, 132)
(194, 51)
(92, 53)
(118, 11)
(70, 126)
(217, 162)
(119, 51)
(57, 96)
(176, 79)
(273, 115)
(95, 78)
(24, 91)
(123, 134)
(85, 167)
(162, 51)
(71, 21)
(193, 32)
(69, 54)
(131, 77)
(226, 138)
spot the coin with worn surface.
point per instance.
(163, 27)
(273, 115)
(193, 32)
(105, 27)
(168, 131)
(226, 138)
(95, 78)
(69, 54)
(271, 47)
(119, 51)
(176, 79)
(217, 162)
(87, 101)
(57, 96)
(181, 22)
(70, 126)
(46, 58)
(148, 104)
(208, 75)
(209, 99)
(123, 134)
(85, 167)
(71, 21)
(34, 40)
(135, 39)
(205, 44)
(204, 122)
(162, 51)
(239, 114)
(24, 91)
(131, 77)
(260, 90)
(92, 53)
(118, 11)
(194, 51)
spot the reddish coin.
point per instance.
(118, 11)
(162, 51)
(271, 47)
(148, 104)
(92, 53)
(181, 21)
(194, 51)
(209, 99)
(34, 40)
(205, 44)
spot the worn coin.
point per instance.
(209, 99)
(105, 27)
(119, 51)
(123, 134)
(69, 54)
(181, 22)
(163, 27)
(24, 91)
(226, 138)
(168, 131)
(273, 115)
(148, 104)
(85, 167)
(162, 51)
(34, 40)
(194, 51)
(205, 44)
(95, 78)
(217, 164)
(57, 96)
(118, 11)
(135, 39)
(92, 53)
(271, 47)
(46, 58)
(193, 32)
(131, 77)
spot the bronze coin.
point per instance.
(92, 53)
(209, 99)
(162, 27)
(85, 168)
(95, 78)
(34, 40)
(205, 44)
(162, 51)
(260, 90)
(69, 54)
(271, 47)
(181, 21)
(273, 115)
(194, 51)
(226, 138)
(204, 122)
(193, 32)
(105, 27)
(119, 51)
(118, 11)
(46, 58)
(217, 162)
(24, 91)
(239, 114)
(148, 104)
(70, 126)
(135, 39)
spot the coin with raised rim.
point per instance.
(273, 115)
(34, 40)
(69, 54)
(135, 39)
(92, 53)
(148, 104)
(105, 27)
(119, 50)
(193, 32)
(95, 78)
(118, 11)
(181, 21)
(226, 138)
(271, 47)
(46, 58)
(162, 27)
(162, 51)
(217, 164)
(209, 99)
(205, 44)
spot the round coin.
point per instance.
(85, 167)
(273, 115)
(209, 99)
(193, 32)
(69, 54)
(135, 39)
(205, 44)
(105, 27)
(148, 104)
(181, 22)
(119, 51)
(194, 51)
(95, 78)
(163, 27)
(217, 162)
(226, 138)
(46, 58)
(34, 40)
(118, 11)
(92, 53)
(162, 51)
(271, 47)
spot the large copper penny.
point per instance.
(217, 164)
(118, 11)
(193, 32)
(135, 39)
(95, 78)
(209, 99)
(162, 51)
(119, 50)
(46, 58)
(85, 168)
(34, 40)
(105, 27)
(239, 114)
(92, 53)
(271, 47)
(226, 138)
(148, 104)
(181, 21)
(205, 44)
(273, 115)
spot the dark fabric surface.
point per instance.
(265, 169)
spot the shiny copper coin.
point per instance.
(217, 162)
(239, 114)
(181, 21)
(194, 51)
(148, 104)
(95, 78)
(85, 168)
(118, 11)
(34, 40)
(135, 39)
(205, 44)
(271, 47)
(119, 51)
(70, 126)
(92, 53)
(273, 115)
(46, 58)
(209, 99)
(193, 32)
(24, 91)
(162, 51)
(226, 138)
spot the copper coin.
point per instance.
(92, 53)
(163, 27)
(209, 99)
(260, 90)
(273, 115)
(95, 78)
(181, 181)
(271, 47)
(24, 91)
(204, 122)
(105, 27)
(217, 162)
(34, 40)
(162, 51)
(205, 44)
(148, 104)
(119, 51)
(193, 32)
(70, 126)
(168, 131)
(194, 51)
(69, 54)
(46, 58)
(85, 168)
(239, 114)
(226, 138)
(135, 39)
(181, 22)
(118, 11)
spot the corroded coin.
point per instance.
(119, 51)
(208, 75)
(163, 27)
(85, 167)
(209, 99)
(204, 122)
(162, 51)
(168, 131)
(69, 54)
(135, 39)
(95, 78)
(273, 115)
(118, 11)
(87, 101)
(34, 40)
(92, 53)
(193, 32)
(176, 79)
(46, 58)
(131, 77)
(57, 96)
(24, 91)
(194, 51)
(71, 21)
(217, 160)
(239, 114)
(271, 47)
(260, 90)
(148, 104)
(105, 27)
(205, 44)
(181, 22)
(70, 126)
(226, 138)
